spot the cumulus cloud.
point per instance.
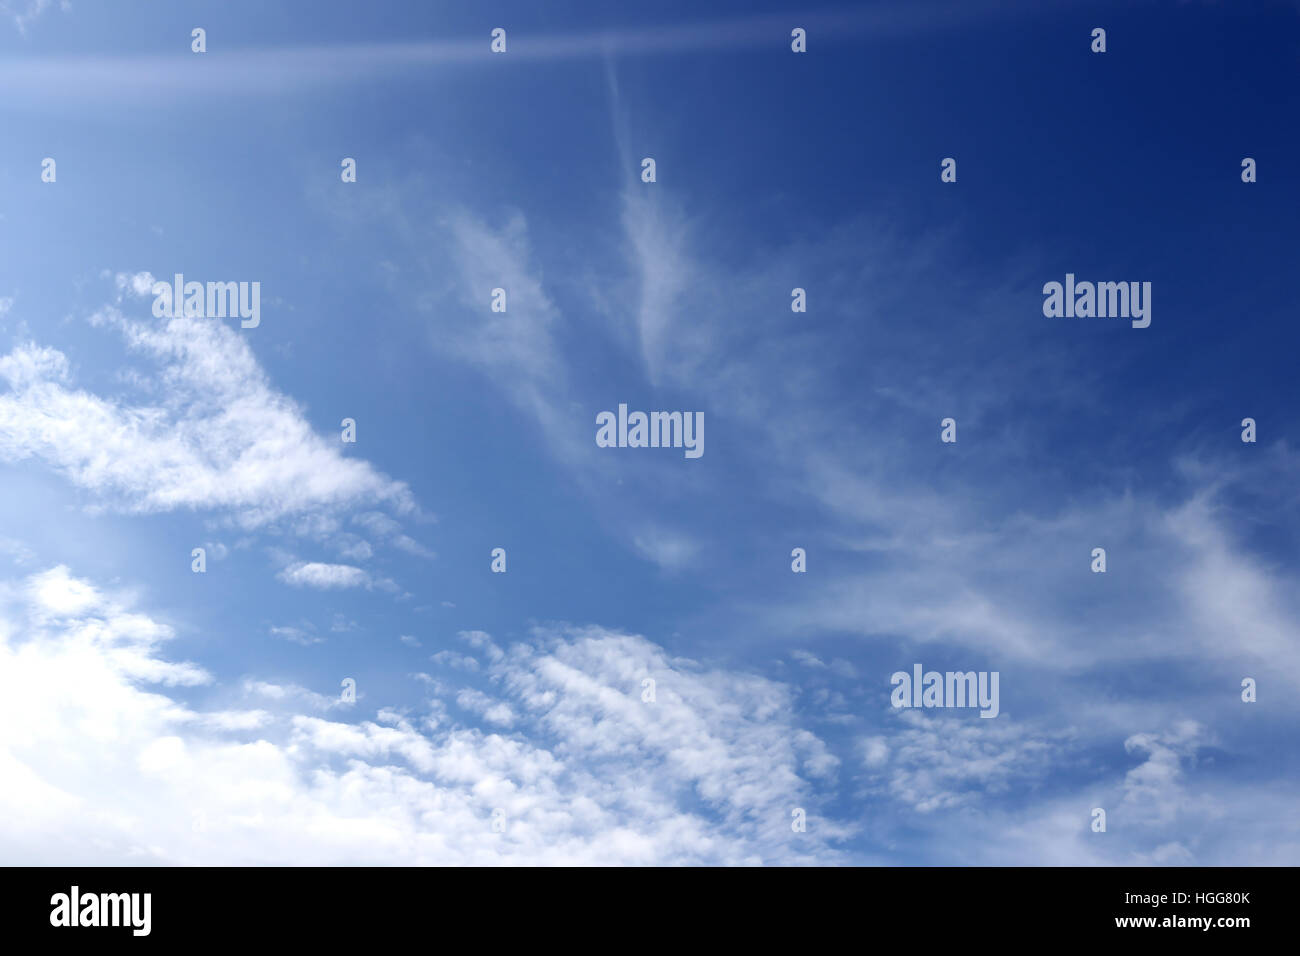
(493, 711)
(314, 574)
(103, 765)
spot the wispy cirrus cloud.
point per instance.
(212, 435)
(24, 13)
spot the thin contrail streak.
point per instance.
(244, 72)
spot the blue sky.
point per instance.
(156, 715)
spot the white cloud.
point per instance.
(452, 659)
(386, 529)
(940, 762)
(1153, 789)
(1179, 588)
(102, 766)
(25, 12)
(493, 711)
(236, 719)
(307, 69)
(723, 733)
(353, 548)
(292, 695)
(807, 658)
(314, 574)
(297, 635)
(518, 340)
(481, 640)
(670, 550)
(875, 751)
(18, 552)
(220, 438)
